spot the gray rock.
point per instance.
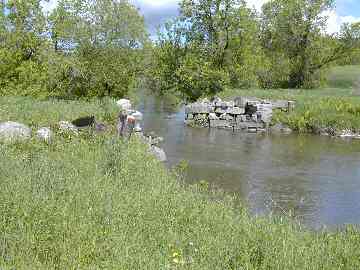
(236, 110)
(100, 127)
(264, 113)
(221, 110)
(219, 123)
(280, 104)
(212, 116)
(13, 131)
(158, 153)
(242, 101)
(45, 134)
(67, 127)
(197, 108)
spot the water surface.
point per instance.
(315, 178)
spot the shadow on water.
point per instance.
(315, 178)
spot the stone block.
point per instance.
(196, 108)
(219, 123)
(280, 104)
(236, 111)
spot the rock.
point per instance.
(219, 124)
(67, 127)
(264, 113)
(214, 100)
(45, 134)
(198, 108)
(242, 101)
(221, 110)
(100, 127)
(280, 104)
(13, 131)
(84, 122)
(236, 111)
(124, 104)
(212, 116)
(158, 153)
(156, 140)
(281, 128)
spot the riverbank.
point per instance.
(334, 110)
(96, 202)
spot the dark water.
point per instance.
(316, 179)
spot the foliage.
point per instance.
(100, 203)
(82, 49)
(212, 41)
(293, 34)
(284, 46)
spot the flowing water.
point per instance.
(315, 179)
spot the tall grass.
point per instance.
(96, 202)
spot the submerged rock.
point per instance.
(13, 131)
(159, 153)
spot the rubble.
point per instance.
(242, 113)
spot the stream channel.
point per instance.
(316, 178)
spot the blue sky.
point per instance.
(157, 12)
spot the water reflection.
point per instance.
(316, 178)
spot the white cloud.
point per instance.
(49, 5)
(335, 21)
(158, 11)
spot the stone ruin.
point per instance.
(242, 113)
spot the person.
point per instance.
(131, 124)
(122, 122)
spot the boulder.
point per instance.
(84, 122)
(67, 127)
(13, 131)
(236, 111)
(212, 116)
(124, 104)
(158, 153)
(45, 134)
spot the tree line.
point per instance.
(91, 48)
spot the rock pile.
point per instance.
(242, 113)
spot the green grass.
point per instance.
(99, 203)
(335, 107)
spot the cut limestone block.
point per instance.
(219, 123)
(236, 111)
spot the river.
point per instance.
(315, 178)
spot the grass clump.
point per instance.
(96, 202)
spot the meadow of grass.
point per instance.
(335, 107)
(96, 202)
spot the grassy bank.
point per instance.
(336, 106)
(98, 203)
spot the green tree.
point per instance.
(294, 38)
(103, 43)
(211, 44)
(22, 47)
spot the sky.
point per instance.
(157, 12)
